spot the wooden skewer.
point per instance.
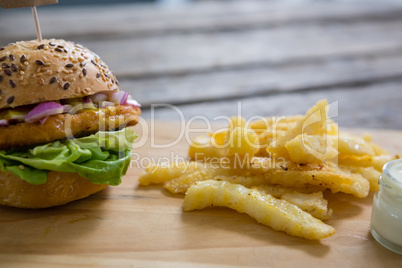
(37, 26)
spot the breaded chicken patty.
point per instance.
(63, 126)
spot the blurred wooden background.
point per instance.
(265, 57)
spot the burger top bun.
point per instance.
(33, 72)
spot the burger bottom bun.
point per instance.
(60, 188)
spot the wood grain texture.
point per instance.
(143, 20)
(220, 52)
(372, 106)
(200, 52)
(145, 227)
(236, 83)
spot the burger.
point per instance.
(63, 124)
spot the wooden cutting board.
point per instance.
(137, 226)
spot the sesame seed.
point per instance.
(14, 67)
(10, 100)
(84, 71)
(66, 86)
(39, 62)
(66, 50)
(82, 64)
(94, 63)
(52, 44)
(11, 56)
(26, 63)
(70, 65)
(64, 57)
(98, 75)
(53, 79)
(41, 81)
(1, 48)
(12, 83)
(22, 72)
(40, 46)
(81, 58)
(20, 78)
(39, 74)
(5, 65)
(60, 46)
(7, 72)
(38, 70)
(23, 59)
(3, 58)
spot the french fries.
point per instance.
(278, 214)
(155, 174)
(313, 203)
(276, 170)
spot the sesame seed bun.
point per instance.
(59, 189)
(33, 72)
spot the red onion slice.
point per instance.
(99, 97)
(3, 122)
(119, 97)
(43, 110)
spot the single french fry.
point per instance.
(370, 173)
(289, 174)
(156, 174)
(278, 214)
(202, 149)
(376, 161)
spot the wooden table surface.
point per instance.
(274, 57)
(206, 59)
(133, 226)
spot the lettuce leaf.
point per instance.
(102, 158)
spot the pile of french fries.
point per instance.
(275, 170)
